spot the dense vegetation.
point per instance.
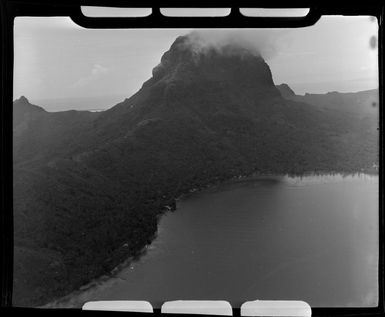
(90, 187)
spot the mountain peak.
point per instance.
(22, 99)
(286, 91)
(24, 110)
(195, 50)
(193, 61)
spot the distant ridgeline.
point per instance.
(89, 186)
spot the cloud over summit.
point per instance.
(253, 42)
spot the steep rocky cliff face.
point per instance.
(88, 187)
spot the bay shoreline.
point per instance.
(67, 301)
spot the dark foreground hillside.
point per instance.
(89, 187)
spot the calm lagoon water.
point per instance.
(313, 238)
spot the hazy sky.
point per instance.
(55, 58)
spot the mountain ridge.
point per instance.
(86, 184)
(363, 103)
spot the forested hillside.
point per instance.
(89, 187)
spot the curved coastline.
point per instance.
(74, 298)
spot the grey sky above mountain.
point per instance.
(55, 58)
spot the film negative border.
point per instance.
(12, 8)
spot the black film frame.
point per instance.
(9, 9)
